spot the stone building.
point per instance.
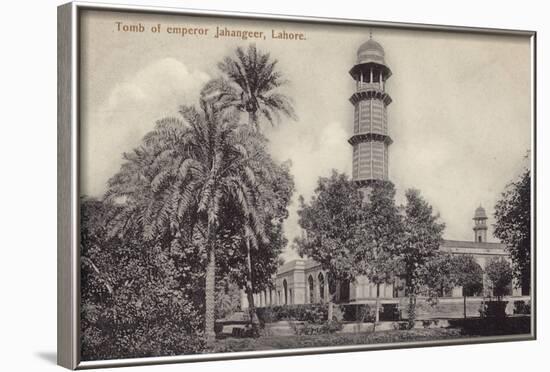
(303, 281)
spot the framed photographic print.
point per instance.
(236, 185)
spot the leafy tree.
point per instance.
(468, 274)
(250, 84)
(421, 239)
(436, 276)
(513, 227)
(198, 165)
(201, 189)
(253, 86)
(228, 298)
(276, 187)
(377, 237)
(135, 293)
(499, 273)
(330, 224)
(208, 173)
(350, 235)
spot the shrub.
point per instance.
(218, 328)
(492, 326)
(522, 307)
(331, 327)
(401, 326)
(228, 298)
(493, 309)
(140, 329)
(266, 315)
(309, 329)
(358, 313)
(390, 312)
(499, 273)
(313, 313)
(136, 293)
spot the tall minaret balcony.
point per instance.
(370, 138)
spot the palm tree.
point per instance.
(189, 167)
(251, 87)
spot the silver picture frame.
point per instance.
(68, 258)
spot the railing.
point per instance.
(364, 86)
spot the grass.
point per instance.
(460, 329)
(295, 342)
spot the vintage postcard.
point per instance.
(251, 185)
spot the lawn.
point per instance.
(469, 328)
(341, 339)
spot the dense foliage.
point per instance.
(420, 249)
(468, 274)
(313, 313)
(331, 222)
(228, 298)
(499, 273)
(513, 227)
(134, 295)
(378, 239)
(173, 241)
(378, 234)
(436, 276)
(250, 84)
(310, 329)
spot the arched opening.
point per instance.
(321, 279)
(377, 75)
(344, 291)
(311, 289)
(285, 290)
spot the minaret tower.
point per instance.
(480, 225)
(370, 139)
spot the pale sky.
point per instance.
(460, 117)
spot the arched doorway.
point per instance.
(311, 289)
(285, 290)
(321, 279)
(344, 291)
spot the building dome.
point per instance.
(371, 52)
(480, 213)
(370, 45)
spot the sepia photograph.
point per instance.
(258, 185)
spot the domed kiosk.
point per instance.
(371, 55)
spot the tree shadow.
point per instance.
(48, 356)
